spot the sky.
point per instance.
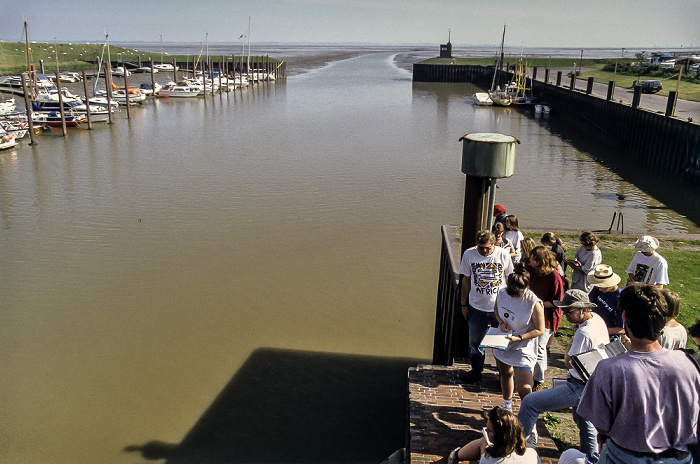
(668, 24)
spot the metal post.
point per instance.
(153, 79)
(473, 211)
(174, 70)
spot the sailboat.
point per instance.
(487, 98)
(499, 97)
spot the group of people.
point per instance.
(638, 407)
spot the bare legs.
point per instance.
(511, 377)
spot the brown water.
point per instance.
(143, 264)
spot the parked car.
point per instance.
(651, 86)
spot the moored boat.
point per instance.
(7, 140)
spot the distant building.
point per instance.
(446, 50)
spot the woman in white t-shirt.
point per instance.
(514, 236)
(521, 314)
(502, 443)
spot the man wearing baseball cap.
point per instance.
(499, 214)
(591, 333)
(647, 266)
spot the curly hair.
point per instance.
(545, 260)
(508, 434)
(588, 238)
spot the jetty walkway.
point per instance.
(444, 413)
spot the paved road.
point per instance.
(684, 109)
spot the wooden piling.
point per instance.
(153, 79)
(558, 78)
(637, 96)
(611, 90)
(29, 109)
(126, 95)
(61, 110)
(174, 70)
(589, 86)
(671, 103)
(108, 88)
(87, 101)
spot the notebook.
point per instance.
(586, 362)
(495, 338)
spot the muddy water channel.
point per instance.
(227, 274)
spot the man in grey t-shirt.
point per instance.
(644, 403)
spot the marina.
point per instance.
(210, 261)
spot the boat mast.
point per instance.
(248, 65)
(55, 47)
(499, 60)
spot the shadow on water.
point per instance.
(300, 407)
(678, 193)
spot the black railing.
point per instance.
(451, 336)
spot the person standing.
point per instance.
(605, 294)
(499, 214)
(647, 266)
(519, 311)
(587, 258)
(591, 333)
(548, 285)
(514, 235)
(483, 271)
(645, 402)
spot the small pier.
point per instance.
(444, 413)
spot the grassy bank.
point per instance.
(687, 90)
(74, 57)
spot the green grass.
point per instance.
(77, 56)
(686, 90)
(683, 258)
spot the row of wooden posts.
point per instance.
(267, 67)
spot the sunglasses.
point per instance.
(570, 310)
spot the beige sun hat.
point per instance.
(603, 276)
(647, 243)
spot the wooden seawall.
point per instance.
(665, 144)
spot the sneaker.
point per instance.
(531, 439)
(453, 459)
(471, 377)
(508, 406)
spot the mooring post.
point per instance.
(671, 103)
(637, 96)
(546, 76)
(153, 79)
(41, 66)
(28, 108)
(87, 101)
(61, 110)
(485, 158)
(611, 90)
(572, 84)
(558, 78)
(126, 95)
(589, 86)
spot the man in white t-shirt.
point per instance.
(484, 269)
(591, 333)
(647, 266)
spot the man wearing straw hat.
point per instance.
(605, 294)
(647, 266)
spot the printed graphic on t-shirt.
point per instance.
(488, 277)
(641, 273)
